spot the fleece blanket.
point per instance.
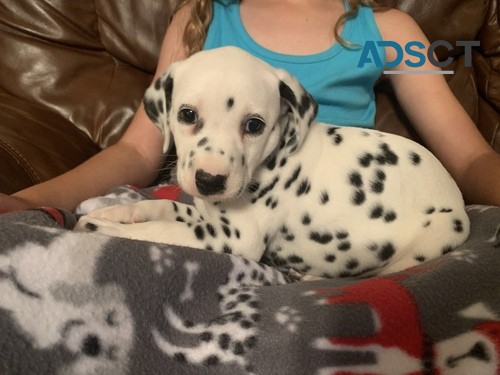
(83, 303)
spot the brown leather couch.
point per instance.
(73, 72)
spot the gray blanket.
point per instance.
(82, 303)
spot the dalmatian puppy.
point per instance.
(271, 183)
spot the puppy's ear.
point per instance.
(299, 107)
(158, 103)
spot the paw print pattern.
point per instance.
(161, 259)
(289, 318)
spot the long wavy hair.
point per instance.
(201, 15)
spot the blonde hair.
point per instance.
(195, 32)
(353, 10)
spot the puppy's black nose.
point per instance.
(209, 184)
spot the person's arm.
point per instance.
(134, 159)
(439, 118)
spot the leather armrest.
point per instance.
(32, 146)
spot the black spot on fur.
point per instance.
(152, 109)
(420, 258)
(230, 103)
(324, 198)
(386, 252)
(306, 101)
(295, 259)
(341, 235)
(359, 197)
(447, 249)
(336, 138)
(271, 163)
(226, 231)
(377, 212)
(287, 93)
(344, 246)
(293, 177)
(365, 160)
(377, 187)
(267, 189)
(168, 88)
(388, 155)
(203, 142)
(390, 216)
(199, 232)
(352, 264)
(458, 226)
(272, 203)
(330, 258)
(227, 249)
(415, 158)
(306, 219)
(304, 187)
(211, 230)
(289, 237)
(321, 238)
(305, 269)
(380, 175)
(430, 210)
(355, 179)
(266, 239)
(91, 227)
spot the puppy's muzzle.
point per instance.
(209, 184)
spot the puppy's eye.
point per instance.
(187, 116)
(254, 126)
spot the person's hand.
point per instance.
(9, 203)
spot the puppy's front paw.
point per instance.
(123, 213)
(93, 224)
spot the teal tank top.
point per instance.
(343, 91)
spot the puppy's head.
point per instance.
(227, 112)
